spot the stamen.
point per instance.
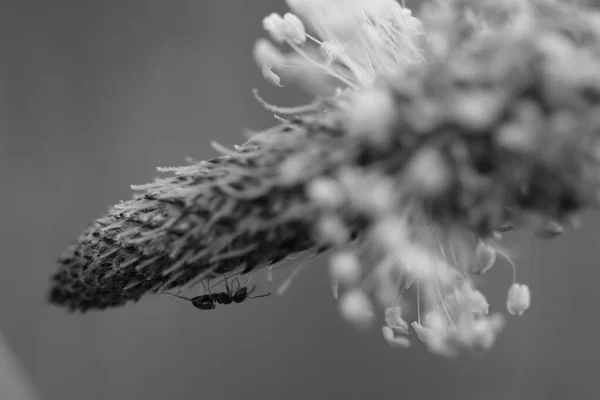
(394, 340)
(322, 67)
(418, 304)
(518, 299)
(312, 107)
(291, 277)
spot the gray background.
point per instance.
(94, 96)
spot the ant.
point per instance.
(209, 301)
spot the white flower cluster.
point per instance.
(355, 42)
(404, 259)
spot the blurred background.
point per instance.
(94, 96)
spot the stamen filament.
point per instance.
(328, 70)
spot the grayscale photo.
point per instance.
(299, 199)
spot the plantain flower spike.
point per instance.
(428, 139)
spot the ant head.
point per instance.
(240, 295)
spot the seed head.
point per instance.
(414, 164)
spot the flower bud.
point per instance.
(370, 115)
(326, 192)
(429, 172)
(355, 306)
(345, 267)
(482, 333)
(332, 230)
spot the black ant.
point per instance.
(208, 301)
(204, 302)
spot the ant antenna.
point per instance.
(178, 296)
(257, 296)
(227, 284)
(249, 279)
(245, 283)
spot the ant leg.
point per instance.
(209, 293)
(239, 285)
(206, 286)
(223, 280)
(227, 286)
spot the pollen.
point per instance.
(276, 26)
(294, 29)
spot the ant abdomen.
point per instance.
(204, 302)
